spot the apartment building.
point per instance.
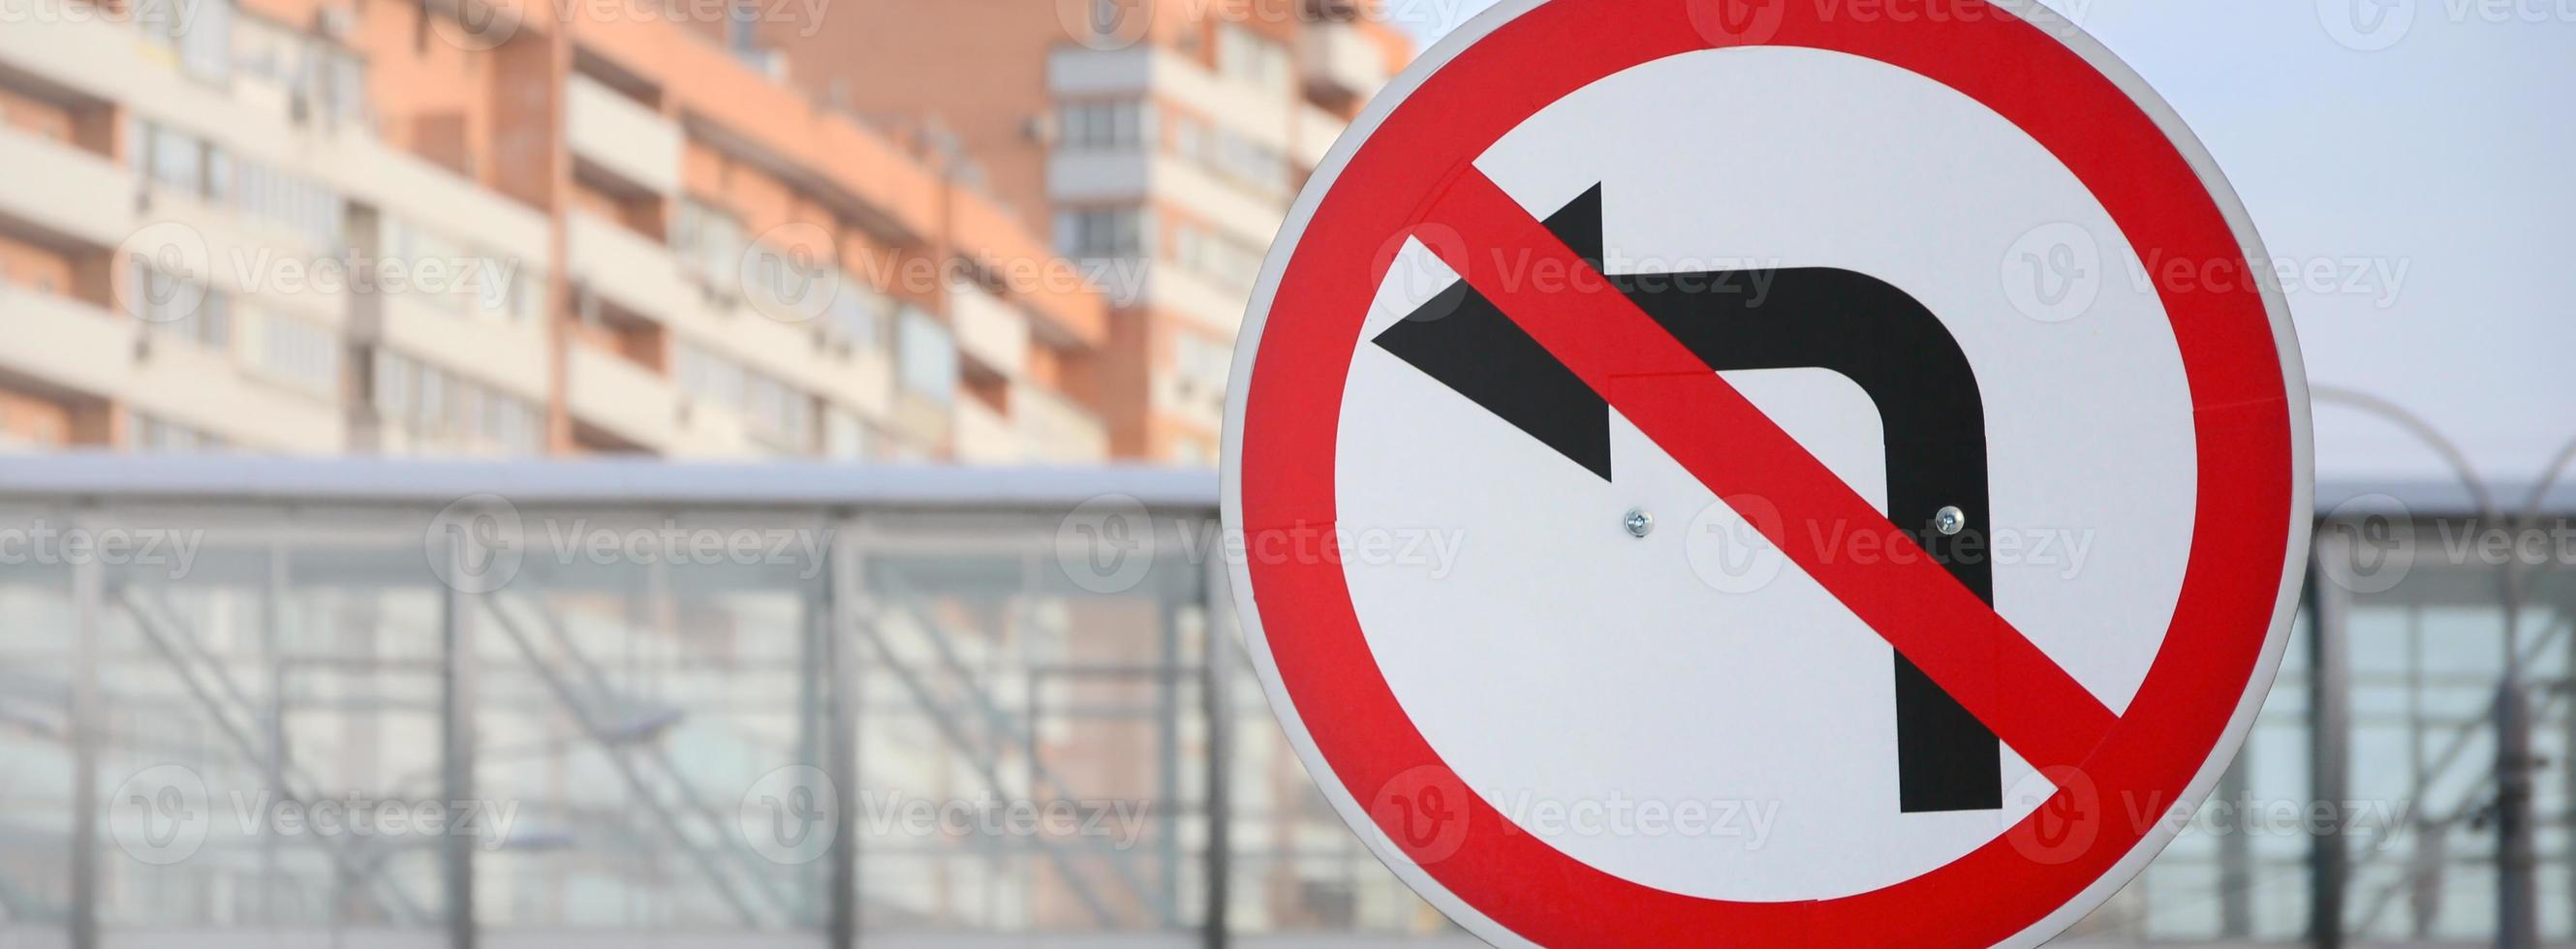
(1158, 141)
(559, 227)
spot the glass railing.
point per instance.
(778, 705)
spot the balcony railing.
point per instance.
(621, 136)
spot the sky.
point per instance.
(2422, 144)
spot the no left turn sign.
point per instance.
(1863, 535)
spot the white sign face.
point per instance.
(1878, 480)
(1697, 625)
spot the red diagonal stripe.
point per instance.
(1730, 446)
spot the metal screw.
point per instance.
(1950, 521)
(1639, 522)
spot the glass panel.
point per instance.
(1032, 750)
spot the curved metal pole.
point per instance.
(2514, 568)
(2517, 862)
(2424, 431)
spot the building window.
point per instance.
(151, 433)
(859, 313)
(1245, 56)
(1251, 163)
(325, 77)
(1215, 255)
(201, 31)
(775, 410)
(178, 306)
(845, 437)
(1201, 365)
(180, 161)
(426, 266)
(708, 241)
(927, 357)
(175, 159)
(1104, 125)
(1229, 155)
(433, 404)
(1102, 232)
(296, 352)
(787, 282)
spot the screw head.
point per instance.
(1950, 521)
(1638, 522)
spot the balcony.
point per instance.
(1149, 71)
(1134, 175)
(1340, 65)
(608, 392)
(442, 201)
(1055, 430)
(629, 269)
(66, 343)
(989, 331)
(981, 435)
(621, 136)
(64, 191)
(1317, 130)
(73, 346)
(511, 356)
(1209, 303)
(208, 390)
(93, 56)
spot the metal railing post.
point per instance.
(456, 746)
(843, 599)
(2329, 736)
(89, 601)
(1217, 693)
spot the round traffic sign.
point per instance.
(1866, 465)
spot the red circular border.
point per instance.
(2246, 467)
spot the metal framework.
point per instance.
(936, 643)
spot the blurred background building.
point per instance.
(1158, 141)
(458, 323)
(322, 228)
